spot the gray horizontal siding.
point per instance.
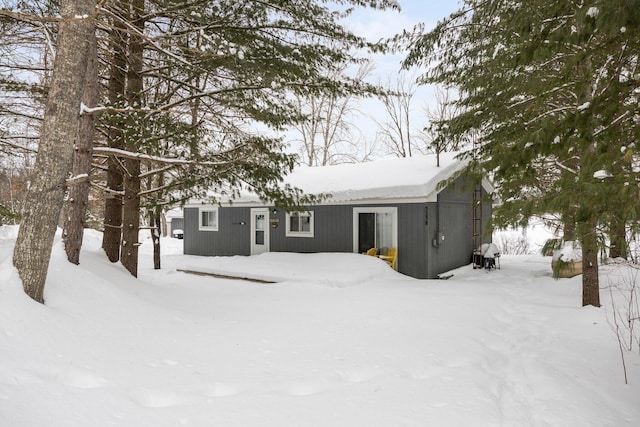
(333, 232)
(232, 237)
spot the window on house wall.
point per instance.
(299, 224)
(208, 218)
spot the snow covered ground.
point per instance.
(341, 341)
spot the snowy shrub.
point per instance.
(567, 261)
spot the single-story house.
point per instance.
(391, 203)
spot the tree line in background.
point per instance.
(550, 94)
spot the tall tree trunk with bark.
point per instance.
(113, 198)
(131, 203)
(45, 197)
(155, 216)
(131, 216)
(155, 221)
(590, 279)
(588, 216)
(76, 208)
(618, 238)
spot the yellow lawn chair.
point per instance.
(372, 252)
(391, 257)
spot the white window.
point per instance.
(299, 224)
(208, 218)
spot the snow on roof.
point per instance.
(386, 179)
(174, 213)
(397, 178)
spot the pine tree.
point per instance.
(552, 93)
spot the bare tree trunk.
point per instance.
(131, 217)
(131, 203)
(163, 222)
(113, 213)
(590, 279)
(59, 129)
(113, 199)
(618, 238)
(74, 221)
(586, 214)
(155, 219)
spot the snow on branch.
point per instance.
(91, 110)
(613, 123)
(602, 174)
(140, 156)
(156, 171)
(77, 179)
(546, 113)
(107, 190)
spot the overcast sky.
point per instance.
(387, 23)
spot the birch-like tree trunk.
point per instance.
(78, 196)
(45, 197)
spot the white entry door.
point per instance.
(259, 231)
